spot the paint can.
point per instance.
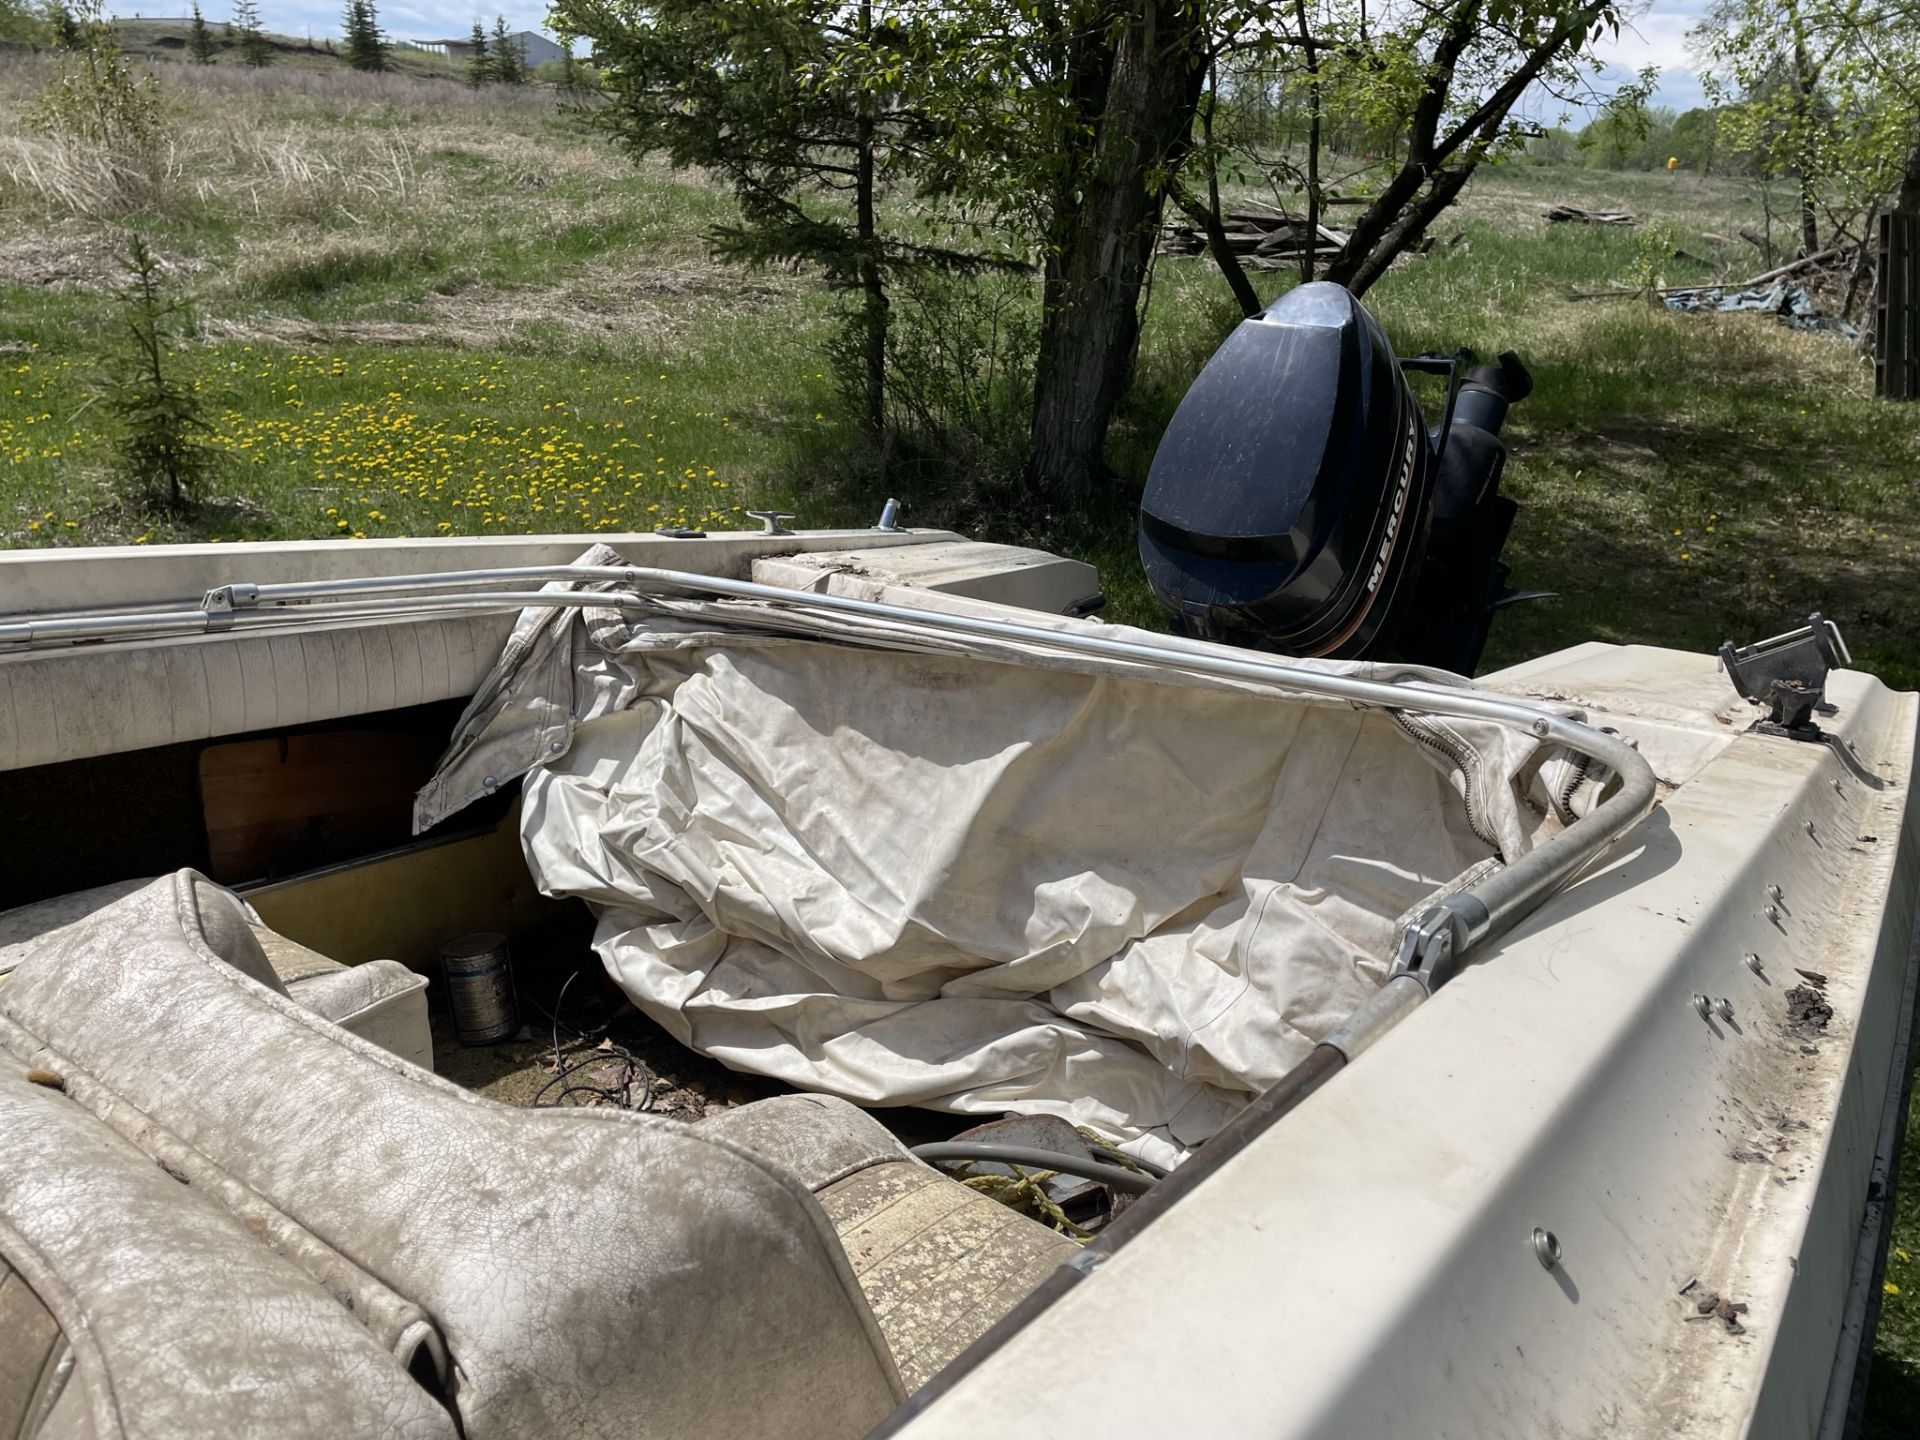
(479, 974)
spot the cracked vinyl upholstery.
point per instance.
(592, 1273)
(241, 1342)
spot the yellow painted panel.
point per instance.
(405, 904)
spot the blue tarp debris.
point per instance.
(1785, 299)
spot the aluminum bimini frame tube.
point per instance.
(1475, 915)
(1432, 948)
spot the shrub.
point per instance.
(1652, 250)
(959, 397)
(102, 114)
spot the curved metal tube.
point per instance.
(1490, 907)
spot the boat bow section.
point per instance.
(1610, 1181)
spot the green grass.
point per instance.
(408, 292)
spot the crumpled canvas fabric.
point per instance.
(979, 876)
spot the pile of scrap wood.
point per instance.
(1264, 238)
(1570, 215)
(1825, 269)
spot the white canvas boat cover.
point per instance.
(980, 876)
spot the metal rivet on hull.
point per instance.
(1546, 1248)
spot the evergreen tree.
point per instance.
(254, 48)
(479, 63)
(200, 38)
(509, 60)
(65, 28)
(163, 450)
(366, 49)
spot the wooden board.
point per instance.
(282, 805)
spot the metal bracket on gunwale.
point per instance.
(1788, 674)
(221, 601)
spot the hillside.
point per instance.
(166, 40)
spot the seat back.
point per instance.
(133, 1305)
(593, 1272)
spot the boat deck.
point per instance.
(581, 1042)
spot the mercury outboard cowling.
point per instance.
(1298, 502)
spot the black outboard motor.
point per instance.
(1299, 503)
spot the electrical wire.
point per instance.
(618, 1093)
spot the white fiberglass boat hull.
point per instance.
(1622, 1085)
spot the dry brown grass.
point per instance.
(270, 144)
(659, 308)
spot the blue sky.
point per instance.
(1657, 36)
(420, 20)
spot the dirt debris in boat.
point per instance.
(581, 1043)
(1807, 1012)
(666, 1078)
(1715, 1306)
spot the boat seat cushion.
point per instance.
(382, 1000)
(133, 1305)
(939, 1262)
(593, 1272)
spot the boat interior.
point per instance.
(617, 1183)
(222, 978)
(314, 890)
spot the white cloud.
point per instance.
(1657, 36)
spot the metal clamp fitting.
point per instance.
(223, 600)
(1432, 947)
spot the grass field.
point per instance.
(427, 310)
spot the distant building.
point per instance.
(537, 48)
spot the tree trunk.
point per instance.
(1804, 78)
(1312, 247)
(873, 303)
(1207, 217)
(1435, 164)
(1144, 90)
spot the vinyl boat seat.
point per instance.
(323, 1238)
(381, 1000)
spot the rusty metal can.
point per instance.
(479, 974)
